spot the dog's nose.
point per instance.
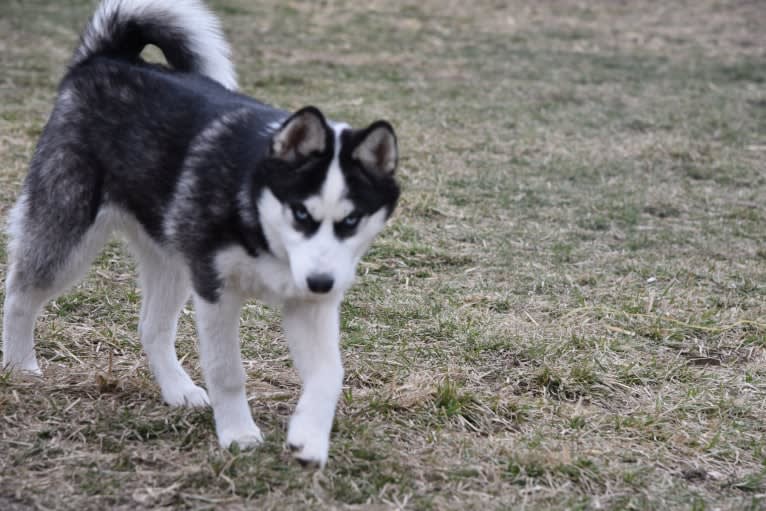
(320, 283)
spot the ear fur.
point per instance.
(378, 151)
(304, 133)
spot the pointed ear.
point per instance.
(304, 133)
(377, 151)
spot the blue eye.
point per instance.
(351, 220)
(299, 213)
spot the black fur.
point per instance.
(369, 190)
(141, 137)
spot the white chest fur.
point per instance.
(264, 277)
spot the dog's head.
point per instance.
(327, 193)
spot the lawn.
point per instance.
(567, 310)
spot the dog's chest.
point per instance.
(264, 277)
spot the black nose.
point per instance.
(320, 283)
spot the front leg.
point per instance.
(218, 326)
(312, 330)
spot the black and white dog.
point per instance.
(219, 196)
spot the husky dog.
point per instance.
(219, 196)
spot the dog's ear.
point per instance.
(303, 133)
(377, 150)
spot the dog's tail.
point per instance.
(186, 31)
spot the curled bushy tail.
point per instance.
(186, 31)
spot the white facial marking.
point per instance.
(322, 252)
(331, 203)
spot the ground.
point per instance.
(567, 311)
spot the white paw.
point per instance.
(186, 395)
(308, 443)
(245, 438)
(27, 367)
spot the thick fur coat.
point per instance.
(219, 196)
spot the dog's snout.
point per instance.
(320, 283)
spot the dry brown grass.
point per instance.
(568, 311)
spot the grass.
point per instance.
(568, 310)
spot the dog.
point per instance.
(220, 197)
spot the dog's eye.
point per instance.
(351, 220)
(346, 227)
(300, 213)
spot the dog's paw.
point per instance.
(190, 395)
(244, 438)
(308, 443)
(28, 367)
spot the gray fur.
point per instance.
(219, 196)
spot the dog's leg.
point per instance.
(166, 288)
(22, 305)
(218, 326)
(312, 330)
(43, 263)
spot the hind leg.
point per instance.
(43, 263)
(166, 288)
(20, 312)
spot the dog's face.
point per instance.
(327, 193)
